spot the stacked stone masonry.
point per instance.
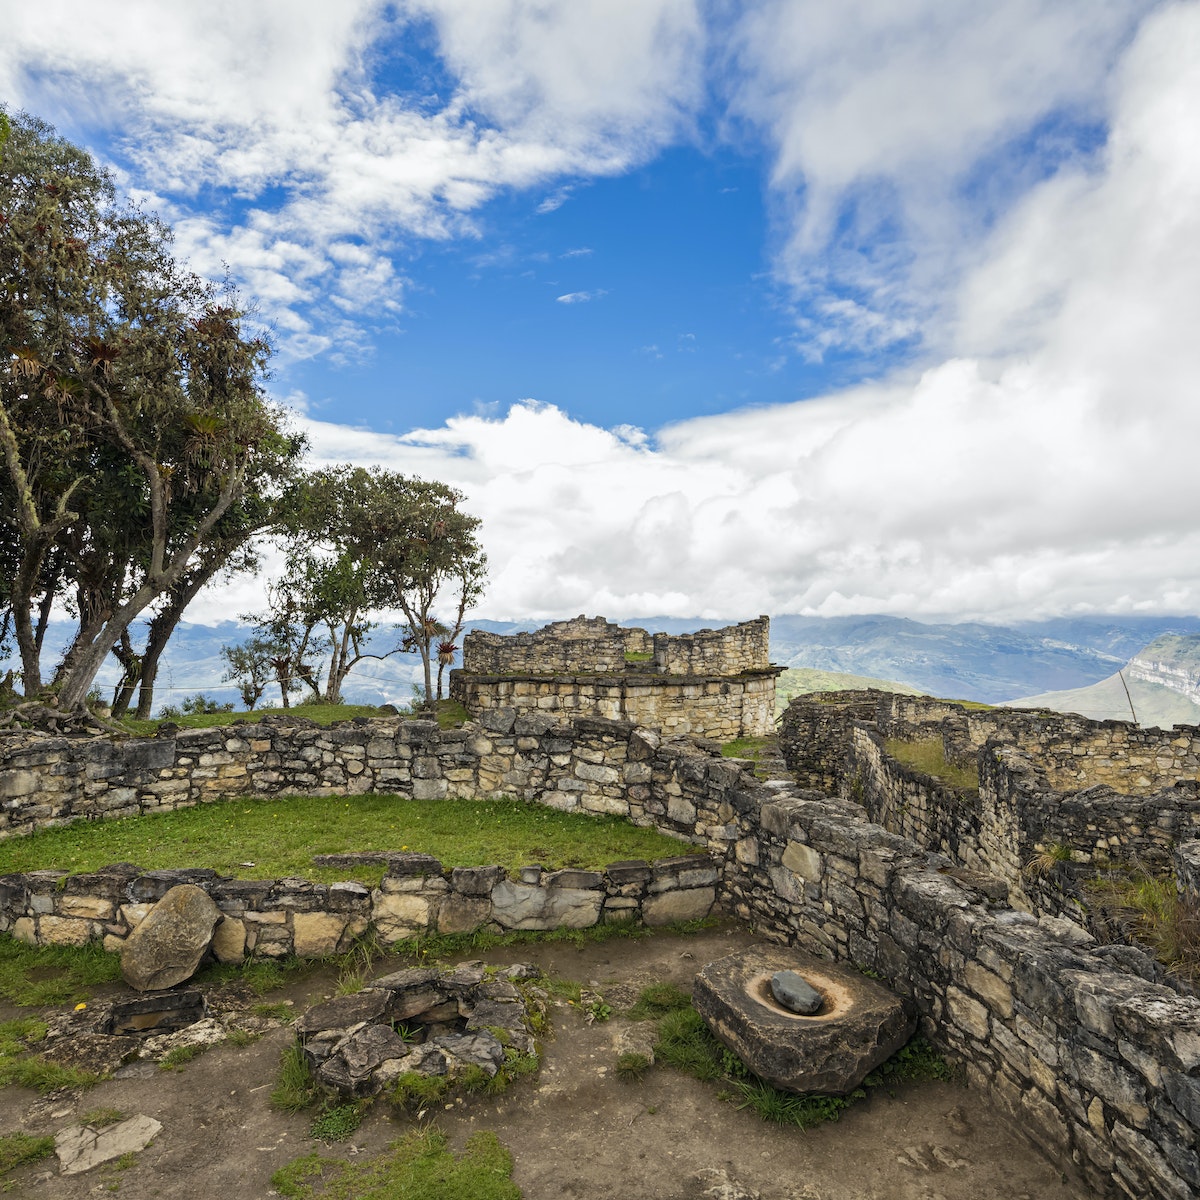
(1019, 809)
(712, 683)
(1095, 1061)
(273, 918)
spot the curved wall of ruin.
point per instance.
(1096, 1062)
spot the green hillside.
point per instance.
(1154, 703)
(799, 681)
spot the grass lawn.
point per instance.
(450, 714)
(279, 837)
(929, 757)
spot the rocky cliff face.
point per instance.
(1171, 661)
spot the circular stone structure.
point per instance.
(858, 1026)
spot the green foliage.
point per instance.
(242, 1037)
(260, 975)
(18, 1148)
(1053, 855)
(20, 1034)
(637, 656)
(34, 976)
(178, 1057)
(281, 835)
(928, 755)
(336, 1122)
(97, 1118)
(320, 714)
(198, 705)
(278, 1012)
(656, 1000)
(419, 1166)
(296, 1088)
(1166, 921)
(597, 1010)
(631, 1066)
(413, 1091)
(162, 449)
(41, 1075)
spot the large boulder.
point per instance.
(858, 1026)
(167, 946)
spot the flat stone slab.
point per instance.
(859, 1024)
(81, 1147)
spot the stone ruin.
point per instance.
(423, 1020)
(714, 683)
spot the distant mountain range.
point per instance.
(1058, 663)
(1160, 685)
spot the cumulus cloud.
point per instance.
(1049, 467)
(899, 131)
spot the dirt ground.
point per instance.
(576, 1131)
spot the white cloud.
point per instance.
(581, 297)
(899, 130)
(1056, 476)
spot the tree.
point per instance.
(363, 542)
(132, 418)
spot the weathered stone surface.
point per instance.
(342, 1011)
(229, 940)
(96, 1052)
(352, 1067)
(524, 906)
(166, 948)
(666, 908)
(317, 934)
(463, 914)
(860, 1026)
(638, 1038)
(80, 1147)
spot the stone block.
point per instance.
(400, 915)
(94, 907)
(316, 935)
(803, 861)
(463, 914)
(64, 931)
(530, 906)
(229, 941)
(687, 904)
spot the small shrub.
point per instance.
(1048, 858)
(178, 1057)
(631, 1066)
(413, 1091)
(243, 1037)
(97, 1118)
(41, 1075)
(297, 1088)
(656, 1000)
(336, 1122)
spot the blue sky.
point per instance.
(711, 309)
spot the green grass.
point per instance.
(636, 656)
(34, 976)
(419, 1166)
(657, 1000)
(18, 1148)
(1162, 918)
(336, 1122)
(296, 1089)
(928, 756)
(450, 715)
(41, 1075)
(686, 1043)
(178, 1057)
(260, 975)
(280, 837)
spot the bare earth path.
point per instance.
(577, 1131)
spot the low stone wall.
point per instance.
(1072, 752)
(1097, 1063)
(1017, 813)
(273, 918)
(722, 709)
(590, 765)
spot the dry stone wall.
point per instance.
(1018, 812)
(273, 918)
(712, 683)
(1096, 1062)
